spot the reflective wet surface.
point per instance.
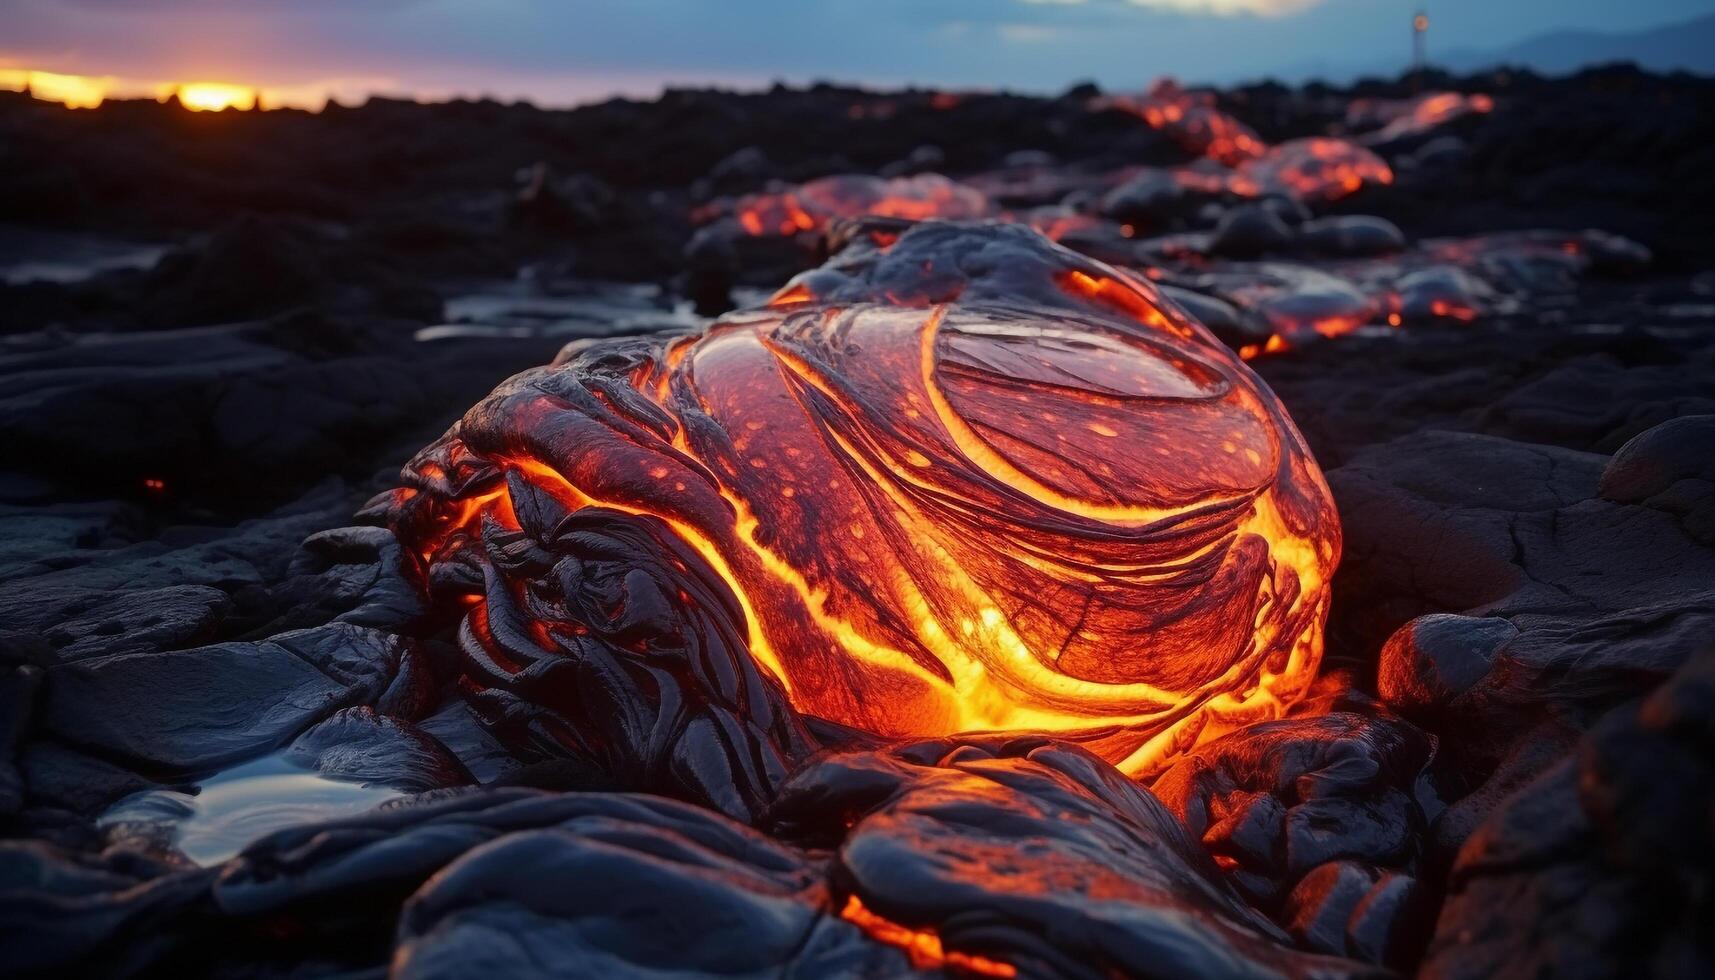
(235, 808)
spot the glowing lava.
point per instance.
(1399, 118)
(1317, 169)
(922, 945)
(1074, 512)
(810, 206)
(1191, 120)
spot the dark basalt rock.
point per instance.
(257, 266)
(921, 831)
(1670, 468)
(1636, 396)
(1549, 667)
(1275, 800)
(114, 915)
(662, 886)
(189, 712)
(661, 695)
(743, 170)
(1558, 643)
(1250, 230)
(927, 158)
(204, 412)
(1351, 235)
(1601, 865)
(1464, 521)
(1435, 658)
(484, 756)
(356, 575)
(548, 203)
(18, 687)
(1444, 292)
(1351, 909)
(960, 835)
(1235, 327)
(1152, 201)
(360, 745)
(91, 623)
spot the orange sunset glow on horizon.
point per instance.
(89, 91)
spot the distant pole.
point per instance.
(1419, 28)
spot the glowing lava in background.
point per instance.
(810, 206)
(1078, 515)
(1191, 120)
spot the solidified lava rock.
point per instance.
(1248, 231)
(1276, 802)
(195, 711)
(1354, 234)
(1536, 693)
(259, 266)
(1600, 865)
(989, 857)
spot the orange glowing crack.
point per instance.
(923, 946)
(1123, 297)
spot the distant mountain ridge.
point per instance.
(1685, 46)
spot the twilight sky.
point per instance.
(562, 51)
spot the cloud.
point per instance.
(250, 7)
(1029, 33)
(1218, 8)
(1230, 8)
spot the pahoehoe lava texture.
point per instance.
(907, 503)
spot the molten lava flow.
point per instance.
(1075, 514)
(1318, 169)
(1399, 118)
(809, 207)
(1058, 221)
(1191, 120)
(1273, 345)
(922, 945)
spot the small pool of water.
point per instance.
(521, 308)
(237, 807)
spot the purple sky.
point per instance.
(559, 51)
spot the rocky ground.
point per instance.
(221, 334)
